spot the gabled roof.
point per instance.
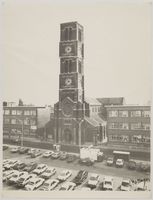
(111, 101)
(95, 120)
(92, 101)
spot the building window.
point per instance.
(113, 113)
(146, 113)
(19, 112)
(33, 122)
(136, 126)
(6, 112)
(13, 121)
(26, 121)
(119, 138)
(136, 113)
(146, 126)
(13, 112)
(140, 139)
(113, 125)
(26, 112)
(123, 126)
(123, 113)
(6, 121)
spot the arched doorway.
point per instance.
(67, 138)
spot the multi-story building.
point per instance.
(128, 124)
(24, 119)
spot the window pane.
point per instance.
(6, 112)
(136, 113)
(113, 113)
(136, 126)
(123, 113)
(13, 112)
(146, 113)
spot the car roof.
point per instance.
(108, 178)
(51, 180)
(40, 165)
(94, 175)
(65, 170)
(50, 168)
(35, 179)
(126, 180)
(68, 183)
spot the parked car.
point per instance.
(71, 158)
(107, 183)
(93, 180)
(36, 153)
(100, 157)
(85, 189)
(80, 177)
(15, 140)
(10, 164)
(31, 166)
(23, 150)
(15, 177)
(144, 167)
(30, 151)
(49, 185)
(126, 185)
(7, 174)
(15, 149)
(110, 161)
(40, 169)
(86, 161)
(68, 186)
(64, 175)
(25, 179)
(5, 147)
(119, 163)
(48, 173)
(63, 156)
(47, 154)
(19, 165)
(55, 155)
(34, 183)
(132, 165)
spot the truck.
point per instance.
(89, 154)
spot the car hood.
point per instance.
(13, 179)
(125, 188)
(46, 174)
(61, 177)
(108, 186)
(29, 187)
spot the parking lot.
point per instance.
(99, 168)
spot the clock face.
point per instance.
(67, 109)
(68, 49)
(68, 81)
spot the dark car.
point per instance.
(5, 147)
(30, 167)
(144, 167)
(23, 150)
(63, 156)
(132, 165)
(86, 161)
(71, 158)
(80, 177)
(19, 166)
(56, 155)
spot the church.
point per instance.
(77, 119)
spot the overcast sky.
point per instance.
(117, 41)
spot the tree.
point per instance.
(20, 102)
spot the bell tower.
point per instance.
(69, 112)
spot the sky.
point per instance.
(117, 40)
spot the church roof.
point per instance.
(92, 101)
(111, 101)
(95, 120)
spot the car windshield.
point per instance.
(39, 167)
(62, 174)
(31, 183)
(48, 171)
(46, 184)
(110, 159)
(119, 161)
(21, 179)
(15, 175)
(108, 183)
(62, 188)
(125, 184)
(92, 178)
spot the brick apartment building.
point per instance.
(128, 125)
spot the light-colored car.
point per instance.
(49, 185)
(30, 151)
(47, 154)
(15, 149)
(25, 179)
(15, 177)
(8, 174)
(68, 186)
(64, 175)
(34, 183)
(108, 183)
(126, 185)
(40, 169)
(10, 164)
(119, 163)
(85, 189)
(93, 180)
(48, 173)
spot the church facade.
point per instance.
(73, 122)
